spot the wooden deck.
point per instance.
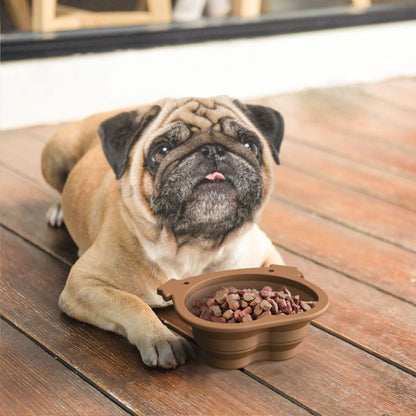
(343, 211)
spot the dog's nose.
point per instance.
(212, 150)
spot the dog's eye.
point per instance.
(250, 145)
(160, 153)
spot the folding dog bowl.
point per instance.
(235, 345)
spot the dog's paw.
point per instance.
(54, 215)
(166, 350)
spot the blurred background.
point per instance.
(66, 59)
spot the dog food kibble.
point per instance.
(230, 305)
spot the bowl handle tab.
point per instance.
(168, 289)
(286, 271)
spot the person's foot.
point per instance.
(218, 8)
(188, 10)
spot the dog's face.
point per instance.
(201, 168)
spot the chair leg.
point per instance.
(43, 15)
(246, 8)
(161, 10)
(361, 4)
(20, 13)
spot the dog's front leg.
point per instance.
(88, 298)
(273, 257)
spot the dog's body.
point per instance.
(175, 193)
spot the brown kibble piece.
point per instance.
(274, 308)
(304, 306)
(216, 310)
(255, 301)
(221, 294)
(249, 296)
(258, 310)
(228, 314)
(218, 319)
(210, 302)
(265, 313)
(265, 305)
(234, 305)
(224, 306)
(247, 318)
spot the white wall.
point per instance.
(59, 89)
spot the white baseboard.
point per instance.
(52, 90)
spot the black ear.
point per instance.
(119, 133)
(271, 124)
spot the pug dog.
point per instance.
(169, 190)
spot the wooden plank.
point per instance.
(380, 264)
(342, 290)
(354, 209)
(23, 207)
(362, 314)
(347, 173)
(407, 83)
(21, 152)
(344, 206)
(34, 383)
(373, 261)
(378, 155)
(378, 111)
(29, 301)
(395, 95)
(352, 119)
(41, 132)
(338, 379)
(348, 123)
(347, 110)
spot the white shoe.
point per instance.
(218, 8)
(188, 10)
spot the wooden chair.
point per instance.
(48, 15)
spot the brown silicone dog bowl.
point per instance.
(236, 345)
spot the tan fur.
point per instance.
(125, 256)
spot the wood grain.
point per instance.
(363, 257)
(350, 110)
(348, 174)
(23, 207)
(342, 211)
(30, 296)
(351, 208)
(363, 314)
(378, 142)
(338, 379)
(387, 267)
(397, 96)
(34, 383)
(30, 302)
(21, 152)
(359, 303)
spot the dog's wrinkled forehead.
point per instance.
(181, 118)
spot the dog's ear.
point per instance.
(271, 124)
(119, 133)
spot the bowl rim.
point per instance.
(180, 290)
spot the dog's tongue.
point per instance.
(215, 175)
